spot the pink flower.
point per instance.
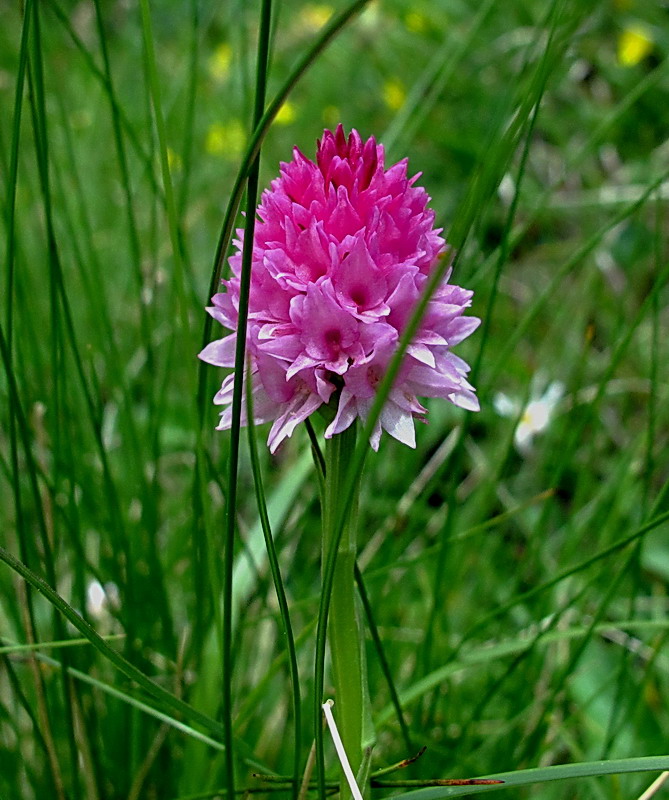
(342, 251)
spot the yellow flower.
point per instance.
(226, 140)
(634, 44)
(394, 94)
(220, 61)
(314, 15)
(416, 22)
(286, 114)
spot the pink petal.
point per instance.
(220, 353)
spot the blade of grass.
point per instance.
(12, 178)
(383, 661)
(180, 286)
(287, 628)
(240, 358)
(37, 96)
(543, 775)
(654, 357)
(24, 702)
(187, 146)
(117, 120)
(18, 429)
(16, 648)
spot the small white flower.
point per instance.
(100, 599)
(534, 417)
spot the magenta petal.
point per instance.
(296, 411)
(461, 328)
(303, 361)
(220, 353)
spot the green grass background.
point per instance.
(518, 633)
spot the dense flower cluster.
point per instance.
(342, 250)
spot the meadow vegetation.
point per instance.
(516, 562)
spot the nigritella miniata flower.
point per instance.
(343, 249)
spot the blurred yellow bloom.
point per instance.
(286, 114)
(394, 94)
(416, 22)
(315, 15)
(634, 44)
(226, 140)
(220, 61)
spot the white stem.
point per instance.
(341, 753)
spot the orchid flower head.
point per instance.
(343, 249)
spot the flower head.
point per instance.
(343, 249)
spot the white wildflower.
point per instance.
(535, 416)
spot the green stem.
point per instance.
(344, 628)
(237, 397)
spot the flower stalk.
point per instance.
(346, 635)
(350, 314)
